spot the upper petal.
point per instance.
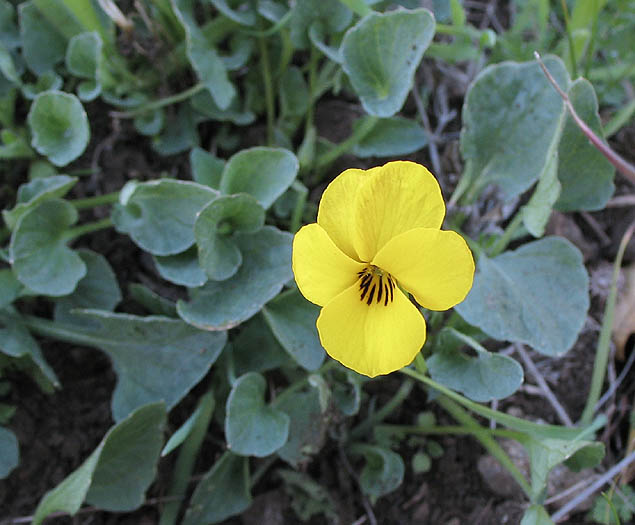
(436, 266)
(335, 213)
(321, 269)
(371, 339)
(395, 198)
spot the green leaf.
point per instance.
(585, 174)
(16, 341)
(294, 93)
(7, 67)
(206, 168)
(383, 472)
(537, 211)
(36, 191)
(204, 104)
(306, 428)
(49, 81)
(106, 479)
(330, 15)
(264, 173)
(38, 252)
(9, 452)
(223, 492)
(381, 53)
(251, 427)
(97, 289)
(512, 118)
(218, 255)
(483, 378)
(242, 13)
(159, 215)
(150, 123)
(266, 267)
(10, 287)
(255, 349)
(151, 301)
(545, 454)
(182, 268)
(42, 46)
(292, 320)
(59, 126)
(390, 137)
(179, 132)
(8, 28)
(614, 508)
(536, 515)
(82, 55)
(155, 358)
(181, 434)
(203, 56)
(537, 294)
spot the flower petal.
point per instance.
(371, 339)
(436, 266)
(335, 213)
(321, 269)
(395, 198)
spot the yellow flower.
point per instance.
(378, 237)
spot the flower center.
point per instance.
(375, 284)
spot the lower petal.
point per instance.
(436, 266)
(372, 339)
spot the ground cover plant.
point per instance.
(325, 261)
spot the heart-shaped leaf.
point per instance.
(155, 358)
(59, 126)
(511, 123)
(38, 252)
(223, 491)
(159, 215)
(537, 294)
(262, 172)
(383, 472)
(381, 54)
(105, 479)
(220, 305)
(292, 320)
(182, 268)
(251, 427)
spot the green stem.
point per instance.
(385, 411)
(502, 242)
(187, 457)
(358, 134)
(90, 227)
(298, 210)
(447, 430)
(266, 78)
(574, 65)
(490, 444)
(98, 200)
(48, 328)
(591, 47)
(157, 104)
(604, 341)
(313, 57)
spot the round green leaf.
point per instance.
(537, 294)
(182, 268)
(9, 452)
(381, 53)
(264, 173)
(38, 252)
(383, 472)
(220, 305)
(292, 320)
(483, 378)
(251, 427)
(59, 126)
(391, 137)
(83, 53)
(159, 215)
(206, 168)
(219, 257)
(331, 15)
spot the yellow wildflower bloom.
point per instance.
(378, 237)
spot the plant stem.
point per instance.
(621, 165)
(502, 242)
(90, 227)
(187, 457)
(602, 353)
(266, 78)
(358, 134)
(298, 210)
(98, 200)
(447, 430)
(385, 411)
(157, 104)
(567, 25)
(313, 57)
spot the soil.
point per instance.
(58, 431)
